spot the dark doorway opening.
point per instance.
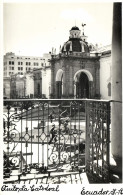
(59, 88)
(82, 86)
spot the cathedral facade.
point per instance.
(75, 71)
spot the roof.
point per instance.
(76, 45)
(74, 28)
(104, 49)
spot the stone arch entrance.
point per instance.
(59, 83)
(83, 84)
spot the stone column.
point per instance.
(70, 82)
(77, 89)
(57, 90)
(74, 90)
(90, 89)
(64, 83)
(116, 89)
(52, 82)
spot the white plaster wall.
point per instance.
(29, 85)
(105, 76)
(46, 81)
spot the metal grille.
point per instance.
(97, 141)
(43, 137)
(44, 140)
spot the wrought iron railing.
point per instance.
(45, 140)
(98, 141)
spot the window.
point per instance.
(36, 64)
(18, 63)
(12, 62)
(29, 63)
(18, 68)
(26, 63)
(109, 89)
(21, 68)
(12, 68)
(9, 62)
(21, 63)
(21, 73)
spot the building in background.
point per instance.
(33, 84)
(80, 70)
(14, 64)
(26, 70)
(28, 85)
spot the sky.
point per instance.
(32, 29)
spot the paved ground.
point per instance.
(54, 178)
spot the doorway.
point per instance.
(82, 86)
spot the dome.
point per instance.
(74, 28)
(75, 45)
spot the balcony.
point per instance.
(56, 141)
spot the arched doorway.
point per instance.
(83, 84)
(59, 83)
